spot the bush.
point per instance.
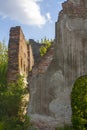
(10, 99)
(11, 123)
(79, 104)
(43, 51)
(46, 45)
(11, 112)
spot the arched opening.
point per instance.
(79, 103)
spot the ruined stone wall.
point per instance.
(70, 57)
(40, 95)
(23, 55)
(35, 48)
(13, 51)
(30, 57)
(18, 55)
(50, 102)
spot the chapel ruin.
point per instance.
(52, 79)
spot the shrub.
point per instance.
(46, 45)
(11, 112)
(79, 104)
(43, 51)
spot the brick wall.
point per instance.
(74, 10)
(20, 57)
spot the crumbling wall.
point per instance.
(50, 102)
(20, 57)
(36, 50)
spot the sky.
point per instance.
(36, 17)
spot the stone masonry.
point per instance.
(50, 103)
(35, 49)
(20, 57)
(52, 79)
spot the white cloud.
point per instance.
(25, 11)
(48, 17)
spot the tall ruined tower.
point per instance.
(19, 55)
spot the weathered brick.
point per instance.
(20, 57)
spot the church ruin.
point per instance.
(52, 79)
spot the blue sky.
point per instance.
(36, 17)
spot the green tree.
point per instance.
(3, 63)
(46, 45)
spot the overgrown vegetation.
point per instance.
(46, 45)
(11, 97)
(3, 63)
(79, 104)
(11, 112)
